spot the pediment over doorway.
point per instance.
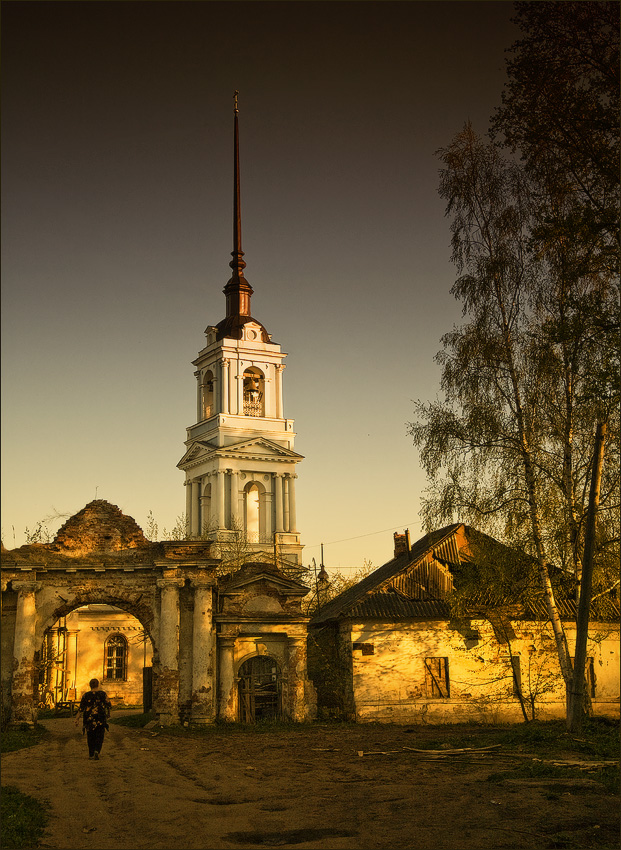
(260, 589)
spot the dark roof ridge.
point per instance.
(348, 598)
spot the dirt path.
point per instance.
(309, 790)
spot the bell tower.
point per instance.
(240, 464)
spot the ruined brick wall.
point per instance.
(329, 669)
(99, 526)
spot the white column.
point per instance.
(279, 506)
(22, 692)
(196, 508)
(199, 397)
(292, 511)
(240, 391)
(234, 481)
(220, 478)
(279, 407)
(188, 505)
(225, 385)
(226, 679)
(286, 519)
(202, 654)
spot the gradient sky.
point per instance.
(117, 208)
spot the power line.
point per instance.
(370, 534)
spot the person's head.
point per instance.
(93, 684)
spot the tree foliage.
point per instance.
(560, 110)
(535, 365)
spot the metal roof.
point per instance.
(417, 586)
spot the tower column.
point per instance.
(292, 509)
(195, 529)
(279, 505)
(240, 391)
(188, 505)
(220, 480)
(225, 384)
(286, 518)
(235, 521)
(279, 407)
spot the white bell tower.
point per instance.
(240, 465)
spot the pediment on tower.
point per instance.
(257, 448)
(197, 452)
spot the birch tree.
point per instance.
(508, 446)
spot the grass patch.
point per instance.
(134, 721)
(23, 818)
(19, 737)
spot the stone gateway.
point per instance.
(226, 645)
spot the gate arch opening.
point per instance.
(94, 640)
(260, 689)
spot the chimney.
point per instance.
(402, 543)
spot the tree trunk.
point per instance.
(575, 703)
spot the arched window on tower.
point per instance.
(115, 658)
(207, 399)
(253, 502)
(205, 517)
(254, 387)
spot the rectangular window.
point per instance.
(365, 648)
(437, 677)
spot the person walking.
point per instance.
(95, 709)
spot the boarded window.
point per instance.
(437, 677)
(366, 648)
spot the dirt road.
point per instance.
(307, 789)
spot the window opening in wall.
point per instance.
(366, 648)
(252, 513)
(437, 677)
(115, 658)
(207, 395)
(253, 393)
(260, 689)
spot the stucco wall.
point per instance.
(94, 627)
(391, 682)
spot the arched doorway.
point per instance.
(260, 689)
(95, 640)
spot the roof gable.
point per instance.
(405, 574)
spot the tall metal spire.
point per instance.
(237, 290)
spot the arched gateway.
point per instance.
(202, 624)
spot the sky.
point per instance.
(117, 193)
